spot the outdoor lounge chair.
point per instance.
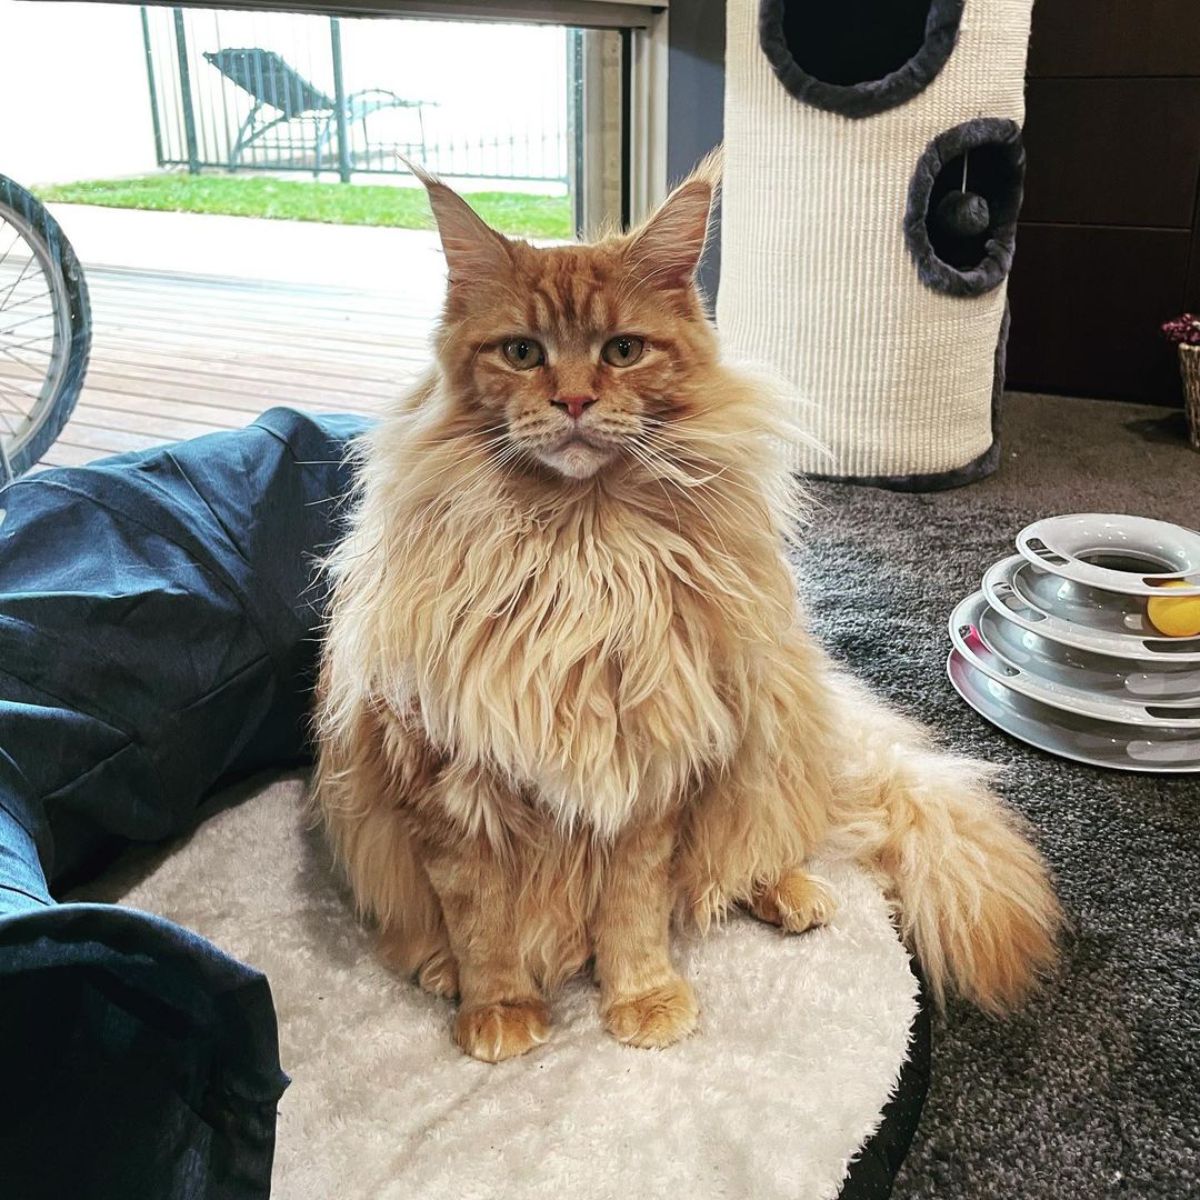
(277, 86)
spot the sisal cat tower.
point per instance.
(873, 175)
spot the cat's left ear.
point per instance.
(667, 249)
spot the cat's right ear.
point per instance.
(473, 248)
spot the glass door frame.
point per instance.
(643, 29)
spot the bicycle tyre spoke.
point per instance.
(28, 300)
(45, 337)
(16, 238)
(42, 316)
(24, 271)
(12, 387)
(33, 367)
(22, 411)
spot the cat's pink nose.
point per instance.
(574, 405)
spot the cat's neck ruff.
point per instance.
(598, 649)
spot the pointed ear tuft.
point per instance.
(667, 249)
(473, 248)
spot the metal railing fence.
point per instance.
(271, 92)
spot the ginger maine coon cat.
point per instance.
(568, 697)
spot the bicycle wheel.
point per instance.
(45, 329)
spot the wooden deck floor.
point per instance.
(177, 355)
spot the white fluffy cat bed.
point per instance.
(804, 1040)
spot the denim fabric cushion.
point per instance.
(158, 629)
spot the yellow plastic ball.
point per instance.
(1178, 617)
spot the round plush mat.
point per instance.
(802, 1043)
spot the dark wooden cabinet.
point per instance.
(1109, 241)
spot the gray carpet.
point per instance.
(1094, 1090)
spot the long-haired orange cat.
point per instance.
(568, 695)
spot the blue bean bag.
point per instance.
(157, 636)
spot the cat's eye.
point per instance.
(623, 350)
(523, 353)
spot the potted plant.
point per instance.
(1184, 331)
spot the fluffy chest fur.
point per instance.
(593, 655)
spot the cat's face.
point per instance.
(574, 357)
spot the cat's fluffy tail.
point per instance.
(974, 896)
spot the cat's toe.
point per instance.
(494, 1032)
(656, 1018)
(798, 901)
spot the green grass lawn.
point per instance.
(299, 200)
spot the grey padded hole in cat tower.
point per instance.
(873, 177)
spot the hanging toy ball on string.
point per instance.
(963, 213)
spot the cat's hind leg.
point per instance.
(796, 902)
(423, 955)
(365, 779)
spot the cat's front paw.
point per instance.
(494, 1032)
(798, 901)
(656, 1018)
